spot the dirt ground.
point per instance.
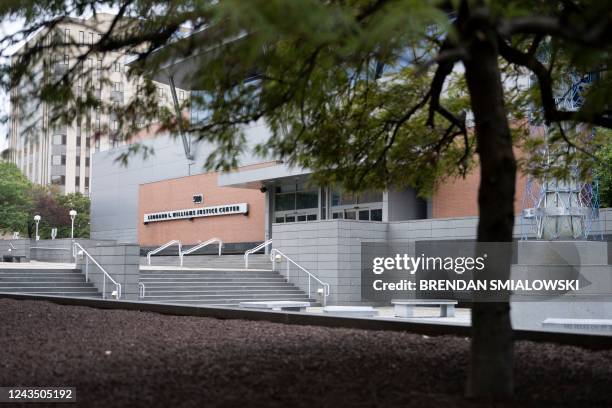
(138, 359)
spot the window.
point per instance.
(57, 160)
(82, 37)
(78, 161)
(295, 202)
(58, 180)
(91, 37)
(376, 215)
(77, 181)
(59, 140)
(66, 36)
(365, 206)
(117, 66)
(87, 162)
(78, 140)
(86, 182)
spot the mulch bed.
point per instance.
(139, 359)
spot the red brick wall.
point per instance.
(175, 194)
(458, 197)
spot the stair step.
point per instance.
(32, 289)
(215, 286)
(289, 291)
(39, 275)
(227, 302)
(211, 279)
(217, 297)
(40, 284)
(7, 271)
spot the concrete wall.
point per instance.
(60, 250)
(330, 249)
(120, 261)
(21, 248)
(405, 205)
(114, 189)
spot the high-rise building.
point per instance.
(60, 155)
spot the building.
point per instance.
(60, 155)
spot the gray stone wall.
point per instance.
(60, 250)
(21, 248)
(120, 261)
(330, 249)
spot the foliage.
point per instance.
(81, 204)
(366, 93)
(20, 201)
(316, 69)
(15, 200)
(54, 209)
(603, 173)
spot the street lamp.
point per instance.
(37, 220)
(73, 215)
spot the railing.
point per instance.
(141, 290)
(202, 245)
(88, 256)
(253, 250)
(276, 256)
(161, 248)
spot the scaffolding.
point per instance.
(555, 209)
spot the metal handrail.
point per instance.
(161, 248)
(273, 257)
(106, 274)
(201, 245)
(253, 250)
(141, 290)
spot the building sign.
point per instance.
(226, 209)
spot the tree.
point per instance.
(365, 93)
(603, 173)
(54, 209)
(81, 204)
(15, 200)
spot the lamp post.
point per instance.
(37, 220)
(73, 215)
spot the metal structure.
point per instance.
(259, 247)
(161, 248)
(555, 209)
(199, 246)
(78, 250)
(277, 256)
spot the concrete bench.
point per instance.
(277, 305)
(12, 258)
(583, 325)
(351, 311)
(405, 307)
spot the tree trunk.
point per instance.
(491, 371)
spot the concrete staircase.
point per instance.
(216, 281)
(47, 281)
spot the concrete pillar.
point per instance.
(121, 262)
